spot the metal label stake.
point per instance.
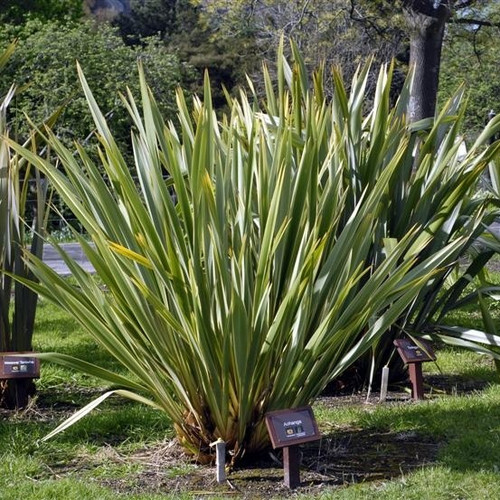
(220, 460)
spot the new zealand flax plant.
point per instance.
(235, 253)
(436, 188)
(19, 185)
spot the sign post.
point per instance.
(414, 355)
(288, 429)
(291, 466)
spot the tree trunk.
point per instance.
(426, 40)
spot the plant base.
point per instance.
(15, 393)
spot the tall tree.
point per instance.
(426, 22)
(471, 55)
(345, 32)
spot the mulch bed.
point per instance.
(342, 457)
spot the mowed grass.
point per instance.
(468, 463)
(91, 458)
(78, 461)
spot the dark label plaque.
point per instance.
(291, 427)
(412, 352)
(18, 366)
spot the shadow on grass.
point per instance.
(471, 382)
(353, 456)
(470, 427)
(389, 441)
(461, 433)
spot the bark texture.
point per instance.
(426, 22)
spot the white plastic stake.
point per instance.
(384, 383)
(220, 459)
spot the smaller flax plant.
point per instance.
(19, 185)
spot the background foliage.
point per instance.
(44, 66)
(16, 12)
(232, 38)
(195, 39)
(473, 56)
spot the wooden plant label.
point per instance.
(18, 366)
(411, 352)
(414, 355)
(288, 429)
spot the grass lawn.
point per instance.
(447, 447)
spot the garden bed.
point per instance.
(347, 454)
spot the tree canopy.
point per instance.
(231, 37)
(15, 12)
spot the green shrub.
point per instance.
(243, 282)
(45, 67)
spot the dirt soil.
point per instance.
(342, 457)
